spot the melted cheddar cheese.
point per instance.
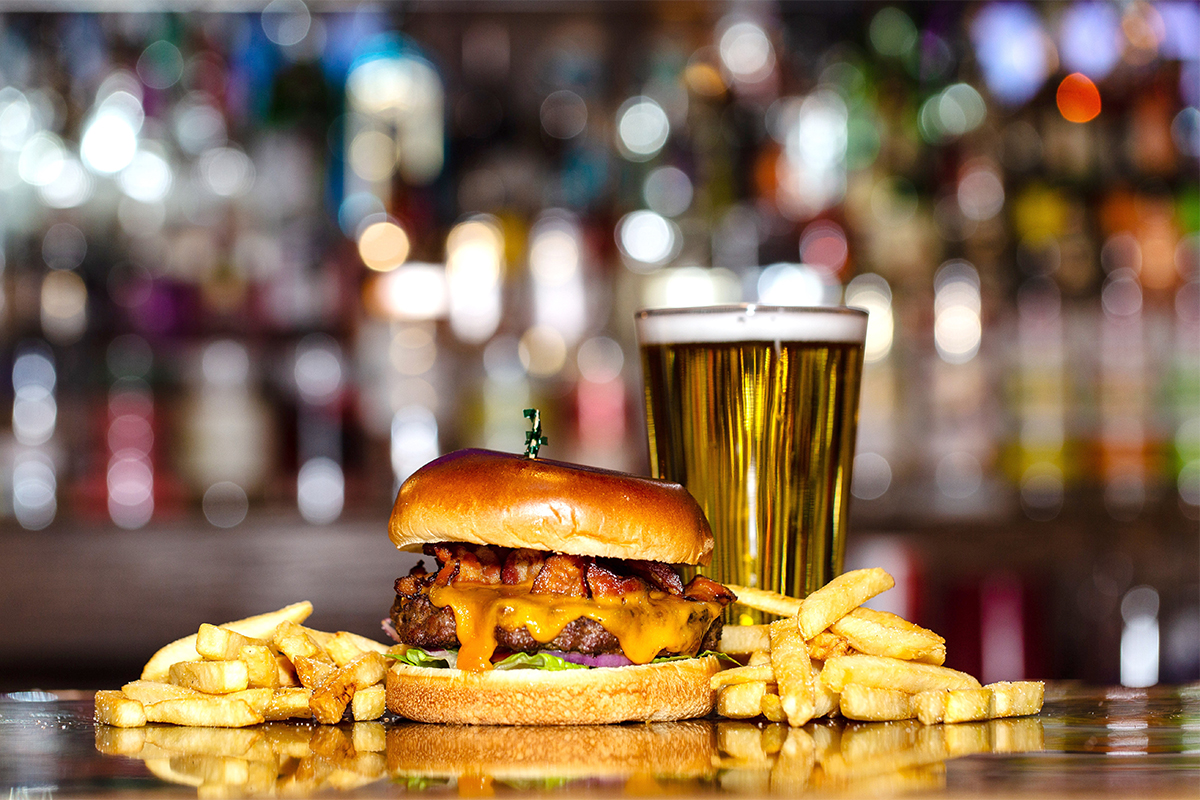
(645, 623)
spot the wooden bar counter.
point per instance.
(1087, 742)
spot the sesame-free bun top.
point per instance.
(485, 497)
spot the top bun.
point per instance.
(485, 497)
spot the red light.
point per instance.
(1078, 98)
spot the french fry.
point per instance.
(825, 700)
(930, 706)
(329, 702)
(312, 672)
(742, 639)
(740, 700)
(155, 692)
(826, 645)
(261, 667)
(210, 711)
(763, 600)
(871, 704)
(258, 698)
(758, 658)
(221, 644)
(210, 677)
(891, 673)
(289, 703)
(967, 705)
(368, 703)
(835, 599)
(296, 641)
(344, 646)
(1016, 698)
(114, 708)
(793, 672)
(725, 677)
(286, 671)
(772, 708)
(259, 626)
(879, 633)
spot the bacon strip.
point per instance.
(708, 590)
(562, 574)
(603, 582)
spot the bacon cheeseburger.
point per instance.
(556, 599)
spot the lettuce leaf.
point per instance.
(719, 656)
(416, 657)
(537, 661)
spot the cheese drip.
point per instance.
(645, 623)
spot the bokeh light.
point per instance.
(642, 128)
(383, 246)
(872, 293)
(746, 52)
(647, 240)
(1078, 98)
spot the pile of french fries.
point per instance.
(829, 654)
(271, 760)
(254, 670)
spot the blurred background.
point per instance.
(259, 264)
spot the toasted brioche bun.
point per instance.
(506, 753)
(670, 690)
(489, 498)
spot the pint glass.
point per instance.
(754, 409)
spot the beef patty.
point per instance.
(420, 623)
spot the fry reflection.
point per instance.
(735, 757)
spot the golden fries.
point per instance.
(838, 597)
(210, 677)
(1015, 699)
(872, 704)
(244, 673)
(741, 700)
(114, 708)
(329, 701)
(879, 633)
(257, 627)
(892, 673)
(204, 710)
(830, 654)
(743, 639)
(793, 672)
(759, 672)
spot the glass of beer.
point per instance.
(754, 409)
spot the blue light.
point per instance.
(1181, 23)
(1010, 45)
(1090, 39)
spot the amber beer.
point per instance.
(754, 410)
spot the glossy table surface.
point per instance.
(1087, 742)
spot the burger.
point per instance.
(555, 596)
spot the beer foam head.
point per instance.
(752, 323)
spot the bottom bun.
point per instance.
(650, 692)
